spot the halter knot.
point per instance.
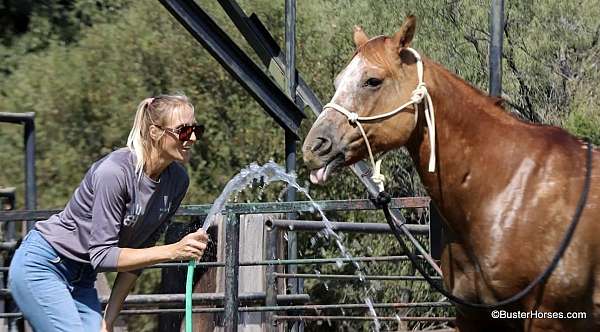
(419, 93)
(352, 117)
(379, 180)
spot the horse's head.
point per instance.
(380, 77)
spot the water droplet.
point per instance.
(361, 276)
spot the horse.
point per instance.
(507, 189)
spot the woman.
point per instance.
(111, 223)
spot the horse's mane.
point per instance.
(497, 101)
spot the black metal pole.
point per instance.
(495, 56)
(267, 49)
(30, 184)
(232, 260)
(290, 142)
(206, 31)
(28, 120)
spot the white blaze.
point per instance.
(347, 83)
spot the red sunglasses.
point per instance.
(184, 133)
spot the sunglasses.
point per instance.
(184, 133)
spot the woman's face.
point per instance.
(172, 148)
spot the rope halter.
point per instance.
(419, 94)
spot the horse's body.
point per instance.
(507, 189)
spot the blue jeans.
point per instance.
(54, 293)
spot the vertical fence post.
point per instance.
(271, 281)
(30, 185)
(7, 203)
(232, 266)
(495, 56)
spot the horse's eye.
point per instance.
(373, 82)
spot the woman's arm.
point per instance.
(190, 247)
(122, 286)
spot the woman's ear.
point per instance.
(155, 133)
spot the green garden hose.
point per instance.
(189, 288)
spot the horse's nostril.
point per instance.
(322, 145)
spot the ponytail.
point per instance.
(139, 136)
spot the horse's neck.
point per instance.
(467, 123)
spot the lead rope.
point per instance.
(417, 96)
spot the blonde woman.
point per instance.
(111, 223)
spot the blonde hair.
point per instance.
(152, 111)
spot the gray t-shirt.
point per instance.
(114, 208)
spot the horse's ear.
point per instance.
(360, 37)
(403, 37)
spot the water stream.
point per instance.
(271, 172)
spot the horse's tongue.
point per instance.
(316, 176)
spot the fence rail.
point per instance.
(249, 208)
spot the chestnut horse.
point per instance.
(507, 189)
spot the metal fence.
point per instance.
(277, 306)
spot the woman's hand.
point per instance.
(190, 247)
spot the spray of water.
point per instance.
(373, 313)
(271, 172)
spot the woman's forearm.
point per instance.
(133, 259)
(190, 247)
(121, 287)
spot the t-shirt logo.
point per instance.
(133, 215)
(166, 205)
